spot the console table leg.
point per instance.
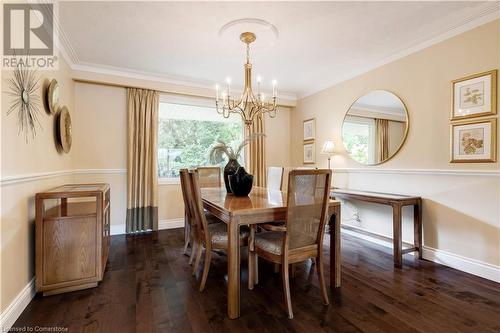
(417, 227)
(397, 235)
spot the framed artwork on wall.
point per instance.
(309, 153)
(309, 129)
(473, 141)
(474, 96)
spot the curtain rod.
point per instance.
(117, 85)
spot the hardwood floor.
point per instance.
(148, 287)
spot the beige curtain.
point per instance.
(382, 139)
(142, 176)
(256, 153)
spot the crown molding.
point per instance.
(485, 13)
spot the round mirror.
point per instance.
(375, 127)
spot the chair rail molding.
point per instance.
(431, 172)
(30, 177)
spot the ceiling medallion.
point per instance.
(248, 106)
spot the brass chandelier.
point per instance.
(249, 106)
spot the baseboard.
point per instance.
(116, 229)
(14, 310)
(119, 229)
(171, 224)
(468, 265)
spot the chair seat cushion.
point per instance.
(272, 226)
(270, 241)
(218, 232)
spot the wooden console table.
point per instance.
(397, 202)
(72, 237)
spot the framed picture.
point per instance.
(474, 96)
(309, 128)
(309, 153)
(473, 141)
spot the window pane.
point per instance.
(186, 133)
(355, 136)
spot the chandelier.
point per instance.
(248, 106)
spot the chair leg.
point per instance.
(321, 277)
(187, 235)
(293, 270)
(256, 269)
(286, 289)
(198, 257)
(206, 268)
(251, 267)
(193, 251)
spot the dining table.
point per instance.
(260, 206)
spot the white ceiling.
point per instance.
(319, 43)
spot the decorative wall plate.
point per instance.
(53, 96)
(64, 130)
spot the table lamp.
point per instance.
(328, 149)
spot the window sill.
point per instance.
(168, 181)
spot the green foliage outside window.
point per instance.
(357, 146)
(185, 143)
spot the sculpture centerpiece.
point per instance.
(216, 156)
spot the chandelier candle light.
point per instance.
(248, 106)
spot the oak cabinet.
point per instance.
(72, 237)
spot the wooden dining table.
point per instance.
(260, 206)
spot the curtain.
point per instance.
(142, 176)
(382, 139)
(257, 152)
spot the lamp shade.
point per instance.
(328, 148)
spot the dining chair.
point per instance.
(274, 178)
(209, 176)
(209, 236)
(303, 232)
(189, 221)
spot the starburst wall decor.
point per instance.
(23, 86)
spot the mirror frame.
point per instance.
(405, 135)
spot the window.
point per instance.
(186, 133)
(359, 138)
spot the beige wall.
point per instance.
(21, 158)
(101, 128)
(461, 211)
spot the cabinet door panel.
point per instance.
(69, 247)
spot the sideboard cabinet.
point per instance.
(72, 237)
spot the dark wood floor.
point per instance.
(148, 288)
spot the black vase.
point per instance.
(230, 169)
(241, 182)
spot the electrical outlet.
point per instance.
(355, 217)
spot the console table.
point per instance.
(72, 237)
(396, 201)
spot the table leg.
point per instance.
(233, 269)
(417, 227)
(335, 261)
(397, 235)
